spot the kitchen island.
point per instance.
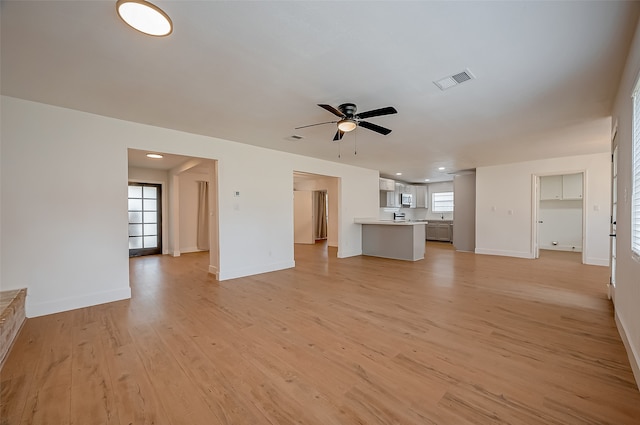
(399, 240)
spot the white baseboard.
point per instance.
(569, 248)
(500, 252)
(250, 271)
(34, 309)
(345, 254)
(191, 249)
(175, 254)
(597, 261)
(214, 271)
(634, 356)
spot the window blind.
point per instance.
(442, 202)
(635, 197)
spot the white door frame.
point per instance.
(611, 286)
(535, 210)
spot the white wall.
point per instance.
(504, 224)
(303, 217)
(188, 204)
(78, 226)
(627, 292)
(561, 223)
(149, 175)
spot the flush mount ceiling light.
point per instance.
(154, 155)
(144, 17)
(441, 168)
(346, 125)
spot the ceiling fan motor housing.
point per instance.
(348, 109)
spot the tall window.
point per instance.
(442, 202)
(635, 170)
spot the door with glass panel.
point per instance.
(145, 236)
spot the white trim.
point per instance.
(214, 271)
(517, 254)
(634, 357)
(175, 254)
(191, 249)
(72, 303)
(597, 261)
(250, 271)
(343, 253)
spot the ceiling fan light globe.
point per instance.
(346, 125)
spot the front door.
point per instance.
(145, 225)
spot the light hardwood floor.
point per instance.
(454, 339)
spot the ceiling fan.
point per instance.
(349, 119)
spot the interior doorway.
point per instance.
(559, 215)
(187, 216)
(316, 210)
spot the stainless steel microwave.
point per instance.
(406, 198)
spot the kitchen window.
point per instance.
(635, 173)
(442, 202)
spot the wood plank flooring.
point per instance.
(454, 339)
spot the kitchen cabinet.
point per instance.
(561, 187)
(439, 231)
(411, 190)
(421, 197)
(387, 185)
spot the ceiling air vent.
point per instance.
(454, 80)
(294, 137)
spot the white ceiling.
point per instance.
(546, 74)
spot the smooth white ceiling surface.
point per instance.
(546, 74)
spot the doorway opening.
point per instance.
(559, 216)
(316, 210)
(187, 217)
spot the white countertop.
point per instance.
(387, 222)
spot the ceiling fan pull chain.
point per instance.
(355, 142)
(339, 143)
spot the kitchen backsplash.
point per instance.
(414, 214)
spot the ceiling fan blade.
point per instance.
(311, 125)
(374, 127)
(377, 112)
(338, 135)
(331, 109)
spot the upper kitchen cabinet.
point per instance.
(387, 185)
(421, 197)
(561, 187)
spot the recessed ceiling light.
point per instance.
(398, 174)
(154, 155)
(441, 168)
(426, 180)
(144, 17)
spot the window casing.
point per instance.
(442, 202)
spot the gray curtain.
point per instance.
(320, 202)
(203, 215)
